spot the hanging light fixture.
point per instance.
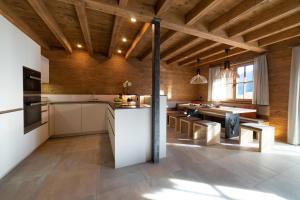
(227, 71)
(198, 79)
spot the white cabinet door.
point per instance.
(67, 118)
(93, 117)
(44, 70)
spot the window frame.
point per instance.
(236, 100)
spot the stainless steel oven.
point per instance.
(31, 81)
(32, 99)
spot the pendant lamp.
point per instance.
(227, 71)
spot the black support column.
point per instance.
(155, 89)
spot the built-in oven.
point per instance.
(31, 81)
(32, 112)
(32, 99)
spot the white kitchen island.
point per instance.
(129, 127)
(130, 133)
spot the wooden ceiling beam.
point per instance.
(162, 6)
(199, 10)
(181, 47)
(273, 14)
(123, 3)
(279, 37)
(115, 30)
(234, 14)
(160, 9)
(147, 15)
(219, 57)
(208, 53)
(40, 8)
(174, 47)
(137, 39)
(82, 17)
(163, 39)
(190, 52)
(271, 29)
(11, 16)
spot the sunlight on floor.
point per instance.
(191, 190)
(184, 145)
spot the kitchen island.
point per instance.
(129, 127)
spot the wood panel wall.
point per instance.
(80, 73)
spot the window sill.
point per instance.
(242, 101)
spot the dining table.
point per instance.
(231, 115)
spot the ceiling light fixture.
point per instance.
(198, 79)
(227, 71)
(79, 45)
(124, 39)
(119, 51)
(133, 20)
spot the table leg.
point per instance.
(232, 125)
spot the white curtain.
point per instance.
(294, 99)
(261, 81)
(219, 89)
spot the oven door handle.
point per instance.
(35, 104)
(35, 78)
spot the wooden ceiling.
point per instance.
(190, 29)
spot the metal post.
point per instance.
(155, 89)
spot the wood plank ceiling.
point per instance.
(191, 29)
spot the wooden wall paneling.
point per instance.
(99, 75)
(47, 17)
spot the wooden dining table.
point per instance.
(231, 115)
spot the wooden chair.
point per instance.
(189, 121)
(174, 120)
(207, 131)
(265, 135)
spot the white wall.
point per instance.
(16, 50)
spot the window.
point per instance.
(244, 84)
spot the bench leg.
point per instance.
(213, 135)
(246, 136)
(266, 140)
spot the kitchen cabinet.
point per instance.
(44, 70)
(110, 124)
(67, 118)
(93, 117)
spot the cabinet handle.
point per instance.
(35, 104)
(35, 78)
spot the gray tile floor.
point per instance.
(82, 168)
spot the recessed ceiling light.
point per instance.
(79, 45)
(133, 20)
(119, 51)
(124, 39)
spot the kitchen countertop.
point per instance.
(112, 104)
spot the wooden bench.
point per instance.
(265, 133)
(174, 120)
(189, 121)
(170, 112)
(207, 131)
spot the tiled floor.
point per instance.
(81, 168)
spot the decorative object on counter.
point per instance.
(227, 71)
(126, 86)
(118, 100)
(198, 79)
